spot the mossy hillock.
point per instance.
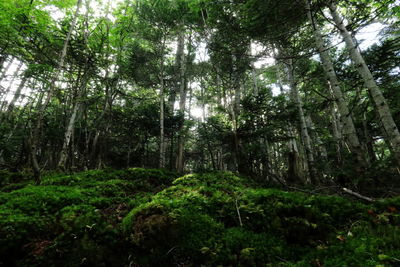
(73, 219)
(144, 217)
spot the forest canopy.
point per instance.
(278, 90)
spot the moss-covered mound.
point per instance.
(215, 219)
(140, 217)
(72, 220)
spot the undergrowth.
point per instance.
(139, 217)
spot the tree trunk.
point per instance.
(35, 138)
(178, 63)
(17, 95)
(381, 105)
(6, 68)
(295, 171)
(336, 133)
(316, 139)
(7, 91)
(3, 59)
(162, 145)
(346, 120)
(235, 103)
(294, 174)
(303, 125)
(182, 100)
(68, 135)
(369, 141)
(162, 115)
(77, 103)
(254, 75)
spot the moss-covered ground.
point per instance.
(139, 217)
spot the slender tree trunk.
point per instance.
(316, 139)
(19, 123)
(303, 125)
(3, 59)
(35, 138)
(178, 69)
(210, 151)
(336, 133)
(11, 84)
(369, 142)
(236, 99)
(346, 120)
(254, 75)
(77, 102)
(107, 104)
(381, 105)
(162, 144)
(295, 172)
(94, 150)
(294, 161)
(10, 107)
(6, 68)
(17, 95)
(162, 115)
(68, 135)
(173, 160)
(182, 101)
(85, 154)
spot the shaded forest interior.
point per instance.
(280, 92)
(154, 112)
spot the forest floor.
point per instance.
(139, 217)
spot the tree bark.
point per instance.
(162, 144)
(346, 120)
(381, 105)
(35, 138)
(336, 133)
(162, 115)
(317, 140)
(7, 91)
(303, 125)
(182, 100)
(6, 68)
(295, 172)
(68, 135)
(235, 103)
(3, 59)
(77, 103)
(369, 141)
(17, 95)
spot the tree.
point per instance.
(385, 116)
(346, 118)
(35, 135)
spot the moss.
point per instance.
(10, 179)
(73, 216)
(244, 247)
(146, 218)
(362, 245)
